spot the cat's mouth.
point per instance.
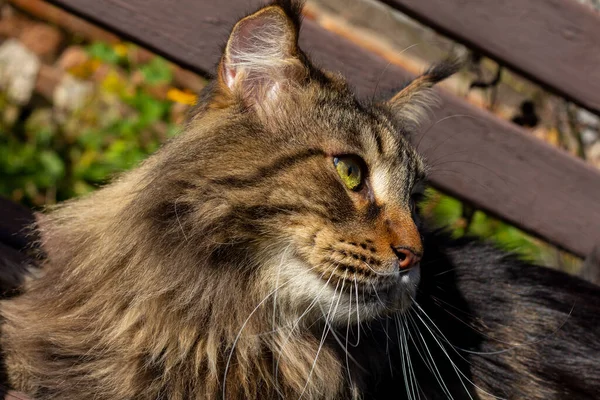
(338, 294)
(372, 294)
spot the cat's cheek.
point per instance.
(410, 282)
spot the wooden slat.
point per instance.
(552, 42)
(488, 162)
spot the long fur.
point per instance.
(234, 263)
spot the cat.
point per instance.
(273, 249)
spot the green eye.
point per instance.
(350, 169)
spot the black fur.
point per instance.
(513, 330)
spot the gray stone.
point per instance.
(72, 94)
(18, 71)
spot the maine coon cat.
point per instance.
(272, 250)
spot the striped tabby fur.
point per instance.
(232, 262)
(206, 271)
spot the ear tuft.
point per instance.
(442, 70)
(262, 56)
(413, 103)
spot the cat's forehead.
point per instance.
(369, 132)
(378, 138)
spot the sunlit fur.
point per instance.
(219, 266)
(235, 263)
(413, 104)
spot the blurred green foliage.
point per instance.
(459, 219)
(157, 71)
(105, 52)
(45, 157)
(449, 212)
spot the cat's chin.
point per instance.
(313, 297)
(398, 295)
(379, 298)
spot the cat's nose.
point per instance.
(407, 258)
(404, 240)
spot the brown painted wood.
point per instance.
(552, 42)
(490, 163)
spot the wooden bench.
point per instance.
(502, 169)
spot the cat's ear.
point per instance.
(412, 104)
(261, 58)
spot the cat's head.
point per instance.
(285, 178)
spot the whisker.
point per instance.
(326, 330)
(344, 346)
(409, 319)
(178, 221)
(379, 80)
(456, 369)
(378, 298)
(297, 322)
(437, 172)
(277, 283)
(512, 345)
(440, 121)
(348, 328)
(444, 272)
(306, 311)
(385, 69)
(432, 164)
(348, 355)
(402, 357)
(237, 338)
(387, 344)
(393, 273)
(357, 314)
(503, 179)
(432, 366)
(415, 382)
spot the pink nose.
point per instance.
(406, 257)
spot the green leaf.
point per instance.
(103, 52)
(157, 71)
(150, 109)
(91, 139)
(53, 166)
